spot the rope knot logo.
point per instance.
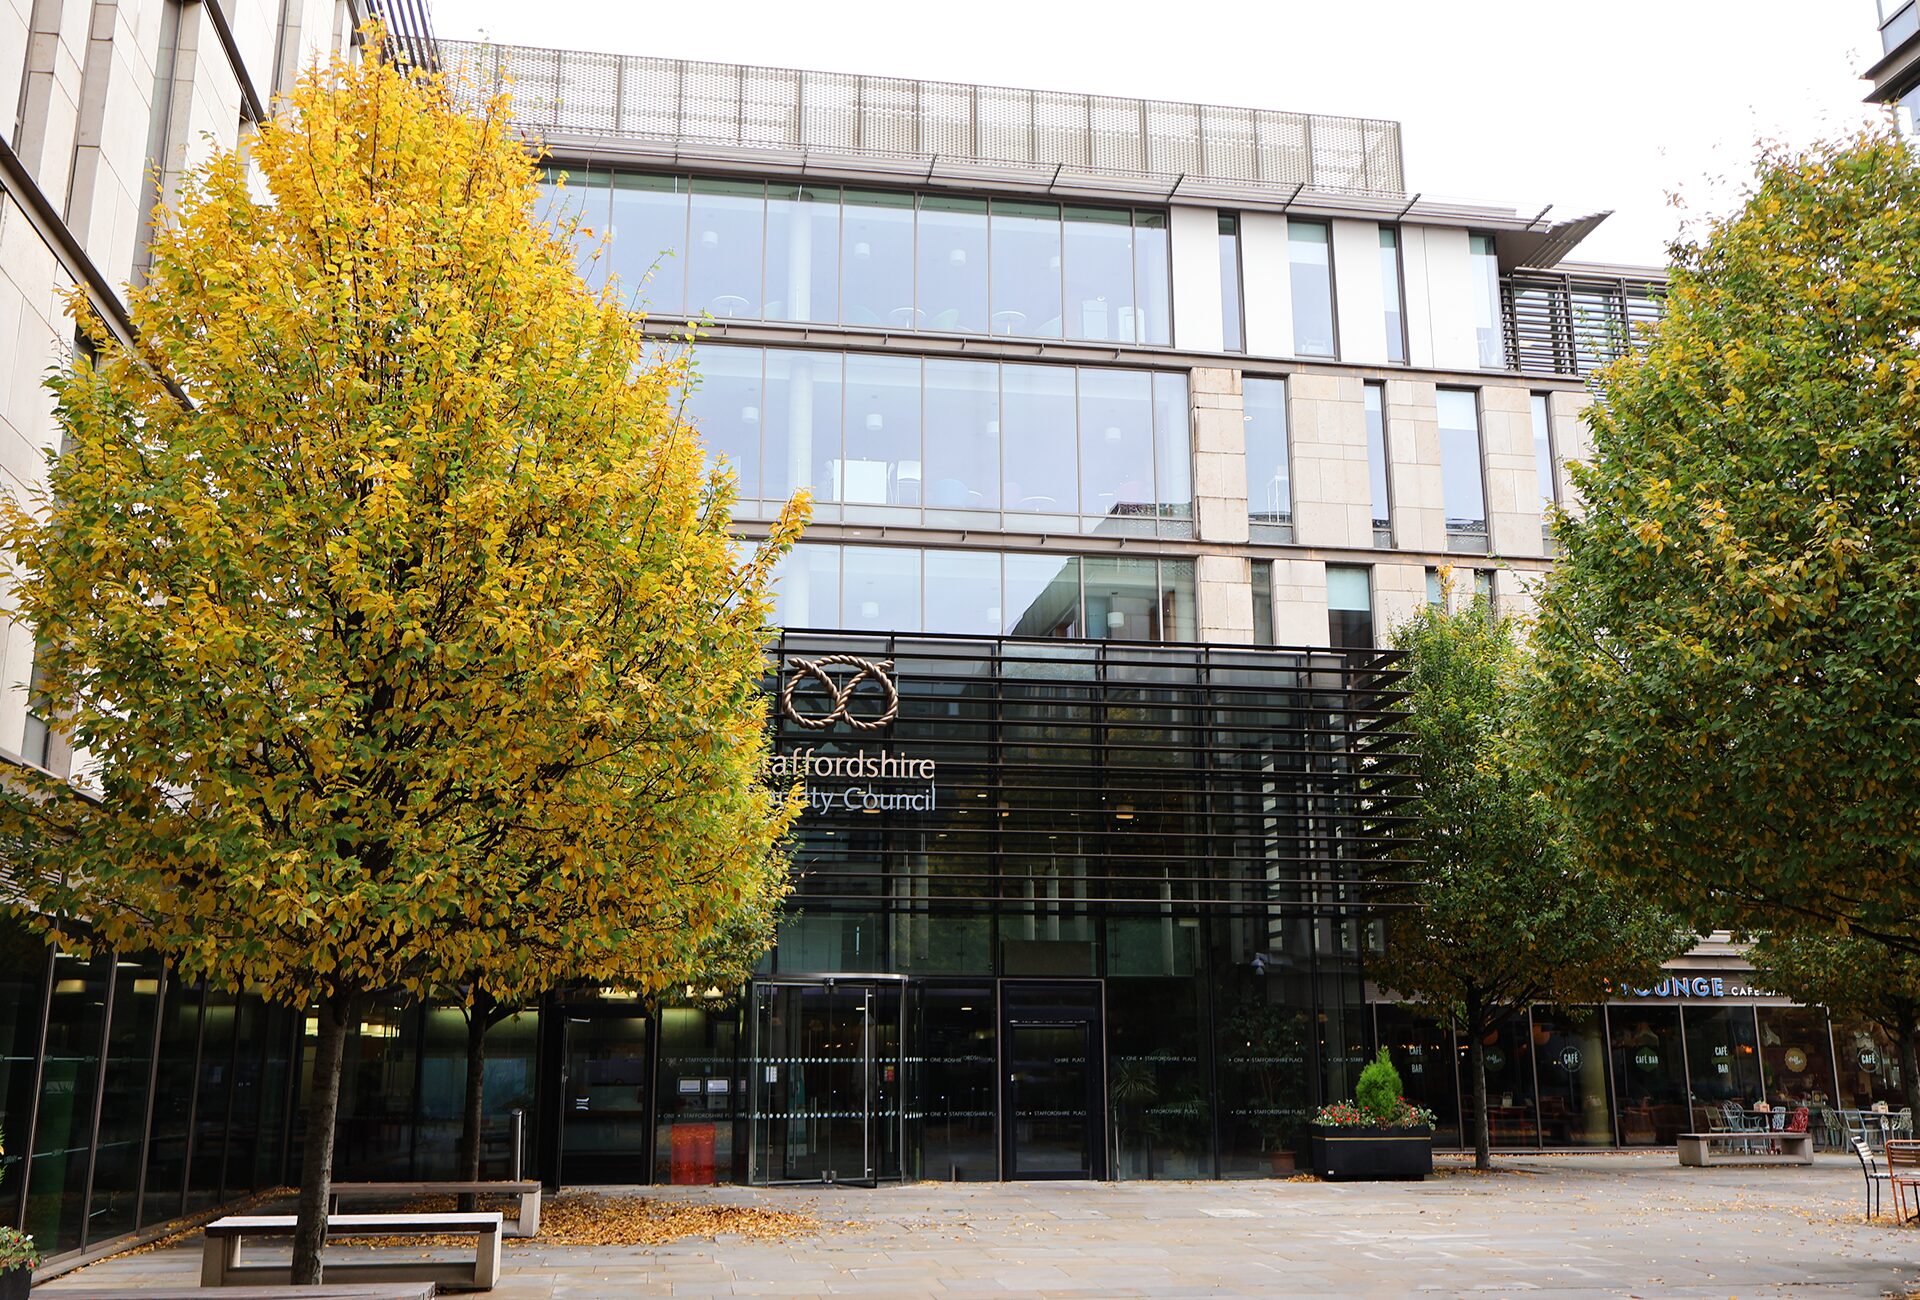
(876, 674)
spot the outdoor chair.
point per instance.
(1716, 1120)
(1737, 1119)
(1870, 1169)
(1903, 1175)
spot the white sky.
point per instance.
(1584, 104)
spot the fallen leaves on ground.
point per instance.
(597, 1219)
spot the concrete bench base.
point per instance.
(221, 1263)
(1698, 1149)
(344, 1291)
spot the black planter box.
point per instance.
(1342, 1155)
(15, 1282)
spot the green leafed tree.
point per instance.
(411, 651)
(1495, 913)
(1854, 979)
(1730, 641)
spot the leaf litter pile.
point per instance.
(596, 1219)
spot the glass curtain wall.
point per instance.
(1310, 275)
(886, 439)
(880, 259)
(1649, 1074)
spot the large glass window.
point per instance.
(23, 983)
(728, 232)
(727, 405)
(566, 197)
(1153, 279)
(1269, 468)
(1263, 602)
(963, 436)
(1037, 413)
(1042, 596)
(1310, 266)
(123, 1112)
(1796, 1056)
(1231, 312)
(1396, 321)
(1723, 1061)
(63, 1127)
(1173, 444)
(1460, 477)
(1543, 464)
(1349, 606)
(1485, 270)
(1512, 1120)
(803, 253)
(1099, 273)
(807, 587)
(1377, 464)
(876, 259)
(880, 588)
(965, 592)
(1649, 1074)
(881, 465)
(1422, 1050)
(1570, 1053)
(801, 419)
(1026, 269)
(647, 241)
(953, 264)
(1116, 443)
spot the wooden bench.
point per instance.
(527, 1193)
(344, 1291)
(220, 1263)
(1698, 1148)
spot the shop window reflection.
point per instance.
(1570, 1054)
(1649, 1074)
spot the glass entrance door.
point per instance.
(605, 1123)
(826, 1078)
(1053, 1120)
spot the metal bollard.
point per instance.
(516, 1142)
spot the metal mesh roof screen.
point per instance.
(579, 93)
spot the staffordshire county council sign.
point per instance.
(854, 782)
(840, 689)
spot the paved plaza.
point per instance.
(1602, 1225)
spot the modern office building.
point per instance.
(1896, 74)
(1134, 426)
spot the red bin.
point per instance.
(693, 1153)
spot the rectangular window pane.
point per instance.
(726, 406)
(1390, 294)
(1037, 415)
(1310, 263)
(1043, 596)
(1486, 301)
(963, 435)
(1099, 274)
(1377, 456)
(1179, 620)
(965, 590)
(801, 417)
(882, 463)
(647, 242)
(724, 254)
(1465, 499)
(1123, 599)
(1263, 602)
(881, 588)
(953, 264)
(876, 259)
(569, 196)
(1026, 269)
(806, 587)
(1152, 279)
(1269, 481)
(803, 253)
(1543, 453)
(1230, 304)
(1172, 446)
(1349, 606)
(1436, 589)
(1116, 443)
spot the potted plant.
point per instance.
(18, 1257)
(1379, 1136)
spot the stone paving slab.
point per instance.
(1600, 1225)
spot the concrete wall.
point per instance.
(1327, 423)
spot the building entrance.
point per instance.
(1053, 1086)
(825, 1070)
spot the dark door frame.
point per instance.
(1095, 1020)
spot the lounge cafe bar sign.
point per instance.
(860, 695)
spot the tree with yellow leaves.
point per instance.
(390, 600)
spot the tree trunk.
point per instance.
(316, 1164)
(1477, 1068)
(478, 1016)
(1909, 1047)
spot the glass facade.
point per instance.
(945, 443)
(1379, 482)
(1349, 605)
(1461, 482)
(1391, 294)
(986, 593)
(1488, 319)
(1232, 310)
(1310, 273)
(895, 260)
(1269, 462)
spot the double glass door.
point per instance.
(826, 1077)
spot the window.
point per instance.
(1026, 269)
(1269, 476)
(727, 234)
(1152, 279)
(1263, 602)
(1390, 288)
(1436, 589)
(1310, 265)
(647, 242)
(1460, 478)
(803, 253)
(1349, 606)
(727, 405)
(881, 461)
(1116, 443)
(1037, 414)
(1543, 462)
(1483, 587)
(1232, 309)
(1486, 301)
(876, 259)
(1376, 398)
(963, 436)
(984, 593)
(953, 264)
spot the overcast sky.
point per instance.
(1583, 104)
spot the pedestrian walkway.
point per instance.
(1602, 1225)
